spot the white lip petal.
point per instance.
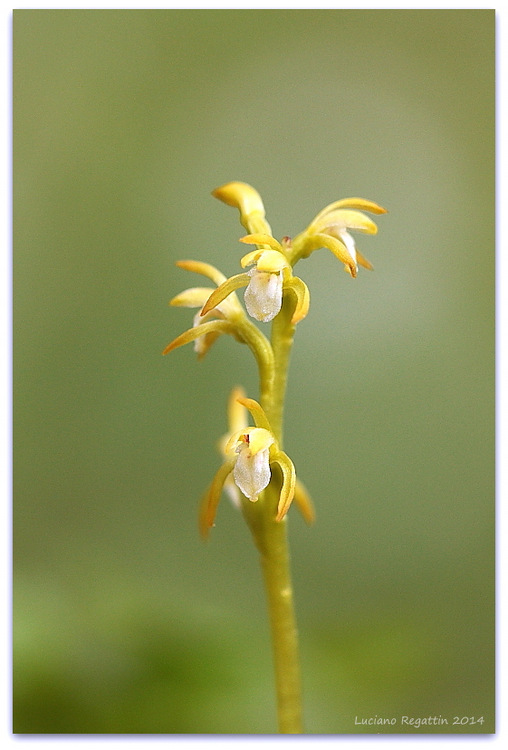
(263, 296)
(252, 473)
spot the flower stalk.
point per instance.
(256, 473)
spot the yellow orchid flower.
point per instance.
(237, 421)
(266, 282)
(330, 229)
(249, 452)
(206, 329)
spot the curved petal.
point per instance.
(257, 411)
(194, 297)
(250, 258)
(315, 241)
(205, 269)
(224, 290)
(255, 438)
(218, 326)
(302, 294)
(345, 219)
(271, 261)
(249, 203)
(240, 195)
(356, 203)
(288, 483)
(211, 499)
(237, 416)
(262, 239)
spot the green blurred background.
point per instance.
(124, 121)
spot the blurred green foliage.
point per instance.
(124, 121)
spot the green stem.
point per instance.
(271, 540)
(277, 576)
(262, 350)
(282, 341)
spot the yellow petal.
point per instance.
(357, 203)
(211, 499)
(241, 196)
(347, 220)
(288, 483)
(237, 415)
(195, 297)
(271, 261)
(224, 290)
(361, 204)
(249, 203)
(268, 261)
(257, 438)
(262, 239)
(258, 413)
(205, 269)
(219, 326)
(337, 247)
(302, 294)
(250, 258)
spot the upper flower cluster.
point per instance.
(270, 276)
(331, 229)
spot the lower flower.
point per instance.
(249, 452)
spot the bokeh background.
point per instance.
(124, 121)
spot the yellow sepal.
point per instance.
(359, 204)
(194, 297)
(205, 269)
(262, 239)
(302, 294)
(257, 438)
(224, 290)
(257, 412)
(315, 241)
(347, 220)
(214, 326)
(211, 499)
(241, 196)
(287, 492)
